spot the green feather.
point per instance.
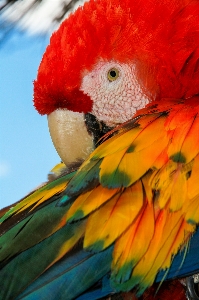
(31, 231)
(28, 265)
(84, 180)
(115, 180)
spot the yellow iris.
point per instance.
(113, 74)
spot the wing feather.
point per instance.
(136, 197)
(156, 157)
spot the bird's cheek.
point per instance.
(69, 135)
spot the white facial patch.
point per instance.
(115, 91)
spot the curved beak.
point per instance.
(70, 135)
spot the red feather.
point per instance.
(160, 37)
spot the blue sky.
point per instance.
(26, 150)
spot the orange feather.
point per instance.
(152, 215)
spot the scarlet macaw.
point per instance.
(128, 216)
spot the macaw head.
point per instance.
(110, 59)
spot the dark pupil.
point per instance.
(112, 73)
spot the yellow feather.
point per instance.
(161, 181)
(162, 159)
(141, 161)
(123, 246)
(152, 133)
(114, 217)
(58, 168)
(135, 241)
(38, 197)
(178, 138)
(165, 234)
(69, 244)
(190, 146)
(147, 187)
(47, 195)
(110, 163)
(91, 200)
(142, 134)
(112, 146)
(193, 181)
(179, 190)
(133, 164)
(171, 182)
(182, 236)
(192, 211)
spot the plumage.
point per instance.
(165, 212)
(128, 216)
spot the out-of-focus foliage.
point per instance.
(34, 16)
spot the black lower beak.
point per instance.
(96, 128)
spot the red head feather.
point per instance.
(161, 37)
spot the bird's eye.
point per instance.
(113, 74)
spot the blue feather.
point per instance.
(71, 276)
(190, 265)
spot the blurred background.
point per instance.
(26, 152)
